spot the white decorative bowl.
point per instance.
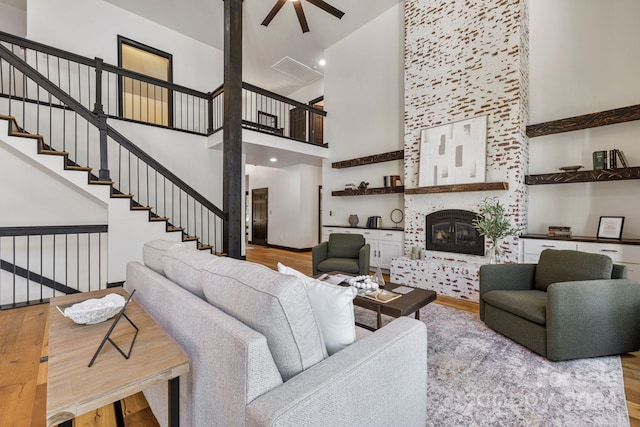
(95, 310)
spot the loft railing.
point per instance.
(268, 112)
(66, 124)
(38, 263)
(124, 94)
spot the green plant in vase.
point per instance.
(491, 222)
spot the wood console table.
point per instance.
(74, 389)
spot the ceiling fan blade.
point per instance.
(327, 8)
(274, 11)
(303, 20)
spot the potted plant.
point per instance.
(492, 223)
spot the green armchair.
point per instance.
(570, 305)
(343, 252)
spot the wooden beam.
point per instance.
(586, 121)
(584, 176)
(367, 160)
(458, 188)
(232, 135)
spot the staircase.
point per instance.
(45, 125)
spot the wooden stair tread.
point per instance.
(204, 247)
(158, 218)
(141, 208)
(26, 135)
(98, 182)
(189, 238)
(171, 229)
(53, 152)
(78, 168)
(121, 196)
(4, 116)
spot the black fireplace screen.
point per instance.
(451, 231)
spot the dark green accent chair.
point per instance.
(570, 305)
(347, 253)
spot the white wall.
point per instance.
(364, 100)
(583, 59)
(32, 196)
(13, 20)
(293, 203)
(91, 27)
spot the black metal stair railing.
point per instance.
(38, 263)
(66, 126)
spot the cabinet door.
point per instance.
(374, 254)
(633, 271)
(388, 250)
(533, 248)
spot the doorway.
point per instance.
(259, 215)
(297, 125)
(316, 122)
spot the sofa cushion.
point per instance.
(345, 245)
(152, 253)
(271, 303)
(333, 307)
(568, 266)
(345, 265)
(183, 266)
(530, 305)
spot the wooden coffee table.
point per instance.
(74, 389)
(408, 303)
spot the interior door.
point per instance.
(259, 215)
(297, 124)
(316, 123)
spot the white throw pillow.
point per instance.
(333, 307)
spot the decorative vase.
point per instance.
(353, 220)
(495, 254)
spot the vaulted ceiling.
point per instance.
(263, 46)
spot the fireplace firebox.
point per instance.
(451, 230)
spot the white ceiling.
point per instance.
(263, 46)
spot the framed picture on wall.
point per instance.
(610, 227)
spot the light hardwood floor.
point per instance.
(23, 341)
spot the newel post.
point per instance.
(102, 124)
(210, 113)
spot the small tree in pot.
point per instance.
(492, 223)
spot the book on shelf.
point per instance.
(559, 231)
(623, 158)
(613, 159)
(382, 295)
(599, 160)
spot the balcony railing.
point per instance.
(119, 93)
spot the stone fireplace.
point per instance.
(463, 60)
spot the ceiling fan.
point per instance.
(297, 5)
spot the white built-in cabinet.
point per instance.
(385, 244)
(620, 253)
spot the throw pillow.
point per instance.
(270, 303)
(567, 266)
(333, 307)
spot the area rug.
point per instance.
(477, 377)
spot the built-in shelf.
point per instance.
(586, 121)
(369, 191)
(584, 176)
(368, 160)
(459, 188)
(581, 239)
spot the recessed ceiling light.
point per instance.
(322, 62)
(273, 160)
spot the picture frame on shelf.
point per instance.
(610, 227)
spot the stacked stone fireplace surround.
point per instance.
(464, 59)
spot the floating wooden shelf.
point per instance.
(586, 121)
(368, 160)
(369, 191)
(458, 188)
(584, 176)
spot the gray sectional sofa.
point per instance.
(257, 354)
